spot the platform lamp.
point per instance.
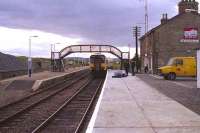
(55, 46)
(53, 50)
(30, 58)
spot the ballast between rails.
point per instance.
(45, 124)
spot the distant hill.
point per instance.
(10, 63)
(34, 59)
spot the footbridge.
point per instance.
(58, 57)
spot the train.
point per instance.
(98, 64)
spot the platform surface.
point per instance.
(42, 75)
(129, 105)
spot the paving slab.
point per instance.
(178, 130)
(122, 116)
(123, 130)
(130, 105)
(119, 94)
(161, 110)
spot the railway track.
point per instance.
(70, 117)
(26, 114)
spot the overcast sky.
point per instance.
(74, 22)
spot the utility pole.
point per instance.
(136, 34)
(129, 60)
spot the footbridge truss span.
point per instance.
(89, 48)
(93, 49)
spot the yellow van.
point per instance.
(179, 67)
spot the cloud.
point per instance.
(15, 41)
(96, 21)
(93, 20)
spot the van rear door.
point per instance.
(190, 67)
(186, 67)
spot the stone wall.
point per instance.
(168, 39)
(165, 41)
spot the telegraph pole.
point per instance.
(136, 34)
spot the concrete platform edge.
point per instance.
(39, 84)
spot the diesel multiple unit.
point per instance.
(98, 64)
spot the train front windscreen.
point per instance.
(97, 59)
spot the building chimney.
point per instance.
(188, 5)
(164, 18)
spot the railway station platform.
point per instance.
(129, 105)
(43, 75)
(13, 89)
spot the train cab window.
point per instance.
(92, 60)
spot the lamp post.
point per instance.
(29, 58)
(55, 46)
(53, 61)
(52, 57)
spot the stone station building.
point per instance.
(178, 36)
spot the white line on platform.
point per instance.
(94, 115)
